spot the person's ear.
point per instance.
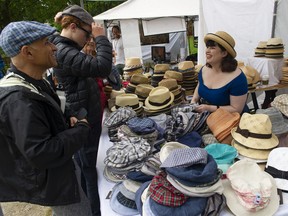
(25, 51)
(73, 26)
(224, 53)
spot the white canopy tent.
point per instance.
(248, 21)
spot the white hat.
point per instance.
(250, 191)
(277, 166)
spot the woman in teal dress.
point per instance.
(220, 82)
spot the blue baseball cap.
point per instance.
(17, 34)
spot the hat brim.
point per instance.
(152, 107)
(254, 142)
(222, 42)
(237, 209)
(138, 108)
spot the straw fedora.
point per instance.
(251, 74)
(143, 90)
(174, 75)
(159, 98)
(132, 63)
(185, 65)
(130, 100)
(255, 131)
(274, 42)
(170, 83)
(224, 39)
(138, 79)
(161, 67)
(250, 191)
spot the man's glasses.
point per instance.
(88, 34)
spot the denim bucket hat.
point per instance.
(17, 34)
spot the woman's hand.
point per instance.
(204, 107)
(97, 29)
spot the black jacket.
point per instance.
(76, 72)
(36, 146)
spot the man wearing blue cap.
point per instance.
(37, 144)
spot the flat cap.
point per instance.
(78, 12)
(17, 34)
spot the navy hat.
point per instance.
(79, 13)
(17, 34)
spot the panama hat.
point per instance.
(185, 65)
(255, 131)
(159, 98)
(277, 166)
(130, 100)
(250, 191)
(251, 74)
(171, 84)
(174, 75)
(132, 63)
(224, 39)
(161, 68)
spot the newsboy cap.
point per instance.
(17, 34)
(79, 13)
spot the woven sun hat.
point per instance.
(138, 79)
(115, 93)
(185, 65)
(255, 131)
(132, 63)
(277, 167)
(250, 191)
(159, 98)
(161, 68)
(174, 75)
(127, 100)
(224, 39)
(279, 125)
(198, 67)
(143, 90)
(281, 103)
(171, 84)
(274, 41)
(251, 74)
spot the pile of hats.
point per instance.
(112, 98)
(253, 138)
(274, 48)
(221, 122)
(135, 80)
(159, 101)
(284, 78)
(260, 49)
(190, 76)
(128, 100)
(142, 91)
(252, 76)
(280, 102)
(174, 75)
(133, 65)
(158, 74)
(249, 190)
(173, 87)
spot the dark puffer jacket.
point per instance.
(76, 72)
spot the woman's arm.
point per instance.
(196, 97)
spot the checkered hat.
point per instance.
(17, 34)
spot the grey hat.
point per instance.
(17, 34)
(79, 13)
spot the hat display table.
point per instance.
(271, 67)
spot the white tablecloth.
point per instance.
(105, 187)
(268, 66)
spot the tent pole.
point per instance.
(274, 18)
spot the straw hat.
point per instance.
(143, 90)
(170, 83)
(138, 79)
(224, 39)
(174, 75)
(251, 74)
(274, 41)
(115, 93)
(161, 67)
(250, 191)
(132, 63)
(130, 100)
(159, 98)
(255, 131)
(184, 65)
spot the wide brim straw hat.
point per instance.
(224, 39)
(255, 131)
(243, 175)
(159, 98)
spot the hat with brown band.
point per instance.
(159, 98)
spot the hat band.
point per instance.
(160, 104)
(246, 134)
(224, 40)
(275, 173)
(132, 106)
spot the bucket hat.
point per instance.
(255, 131)
(160, 97)
(250, 191)
(277, 167)
(224, 39)
(281, 103)
(17, 34)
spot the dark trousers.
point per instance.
(86, 157)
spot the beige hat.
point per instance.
(224, 39)
(114, 93)
(143, 90)
(159, 98)
(168, 147)
(132, 63)
(138, 79)
(255, 131)
(170, 83)
(174, 75)
(184, 65)
(130, 100)
(251, 74)
(274, 41)
(281, 103)
(250, 191)
(161, 67)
